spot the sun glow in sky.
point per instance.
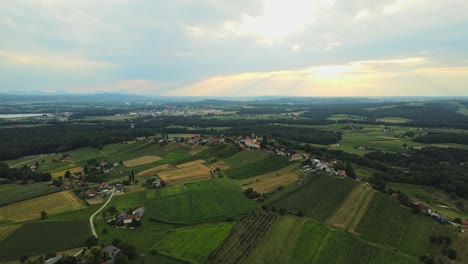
(240, 48)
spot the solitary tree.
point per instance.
(44, 215)
(91, 241)
(350, 170)
(67, 174)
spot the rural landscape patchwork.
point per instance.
(114, 179)
(233, 132)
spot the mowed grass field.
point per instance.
(199, 202)
(141, 161)
(270, 181)
(129, 200)
(40, 237)
(186, 172)
(319, 197)
(393, 120)
(11, 193)
(349, 209)
(155, 170)
(5, 231)
(30, 209)
(71, 167)
(195, 243)
(278, 243)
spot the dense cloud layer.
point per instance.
(245, 47)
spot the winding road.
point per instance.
(91, 218)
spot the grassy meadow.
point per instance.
(203, 201)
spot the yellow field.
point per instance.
(141, 161)
(190, 164)
(343, 217)
(360, 212)
(187, 172)
(5, 231)
(155, 170)
(31, 209)
(271, 181)
(220, 164)
(62, 173)
(195, 149)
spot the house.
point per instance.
(103, 163)
(139, 212)
(128, 219)
(439, 217)
(341, 173)
(53, 260)
(424, 208)
(111, 251)
(296, 157)
(89, 194)
(394, 196)
(119, 187)
(465, 224)
(104, 186)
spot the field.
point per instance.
(244, 238)
(39, 237)
(339, 247)
(155, 170)
(241, 159)
(263, 166)
(5, 231)
(360, 213)
(270, 181)
(394, 120)
(345, 215)
(129, 200)
(141, 161)
(72, 168)
(202, 201)
(11, 193)
(30, 209)
(318, 198)
(195, 243)
(416, 238)
(436, 199)
(320, 244)
(308, 242)
(384, 221)
(278, 243)
(186, 172)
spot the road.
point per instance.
(91, 218)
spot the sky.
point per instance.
(236, 47)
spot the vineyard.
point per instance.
(308, 242)
(319, 197)
(243, 239)
(339, 247)
(384, 221)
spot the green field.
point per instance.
(318, 198)
(340, 247)
(271, 163)
(193, 244)
(278, 243)
(436, 199)
(384, 221)
(308, 242)
(202, 201)
(129, 200)
(463, 110)
(39, 237)
(12, 193)
(243, 158)
(319, 244)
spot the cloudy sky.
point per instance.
(238, 47)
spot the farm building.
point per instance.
(111, 251)
(424, 208)
(296, 157)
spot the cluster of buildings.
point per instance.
(328, 167)
(124, 219)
